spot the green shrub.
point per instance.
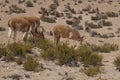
(112, 14)
(66, 55)
(18, 49)
(2, 29)
(40, 43)
(49, 20)
(106, 47)
(62, 53)
(49, 54)
(3, 50)
(117, 61)
(29, 4)
(106, 23)
(92, 71)
(95, 59)
(9, 57)
(31, 65)
(19, 61)
(16, 9)
(88, 57)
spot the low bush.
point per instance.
(117, 62)
(49, 20)
(62, 53)
(30, 64)
(29, 4)
(18, 49)
(88, 57)
(106, 23)
(40, 43)
(3, 50)
(19, 61)
(112, 14)
(108, 47)
(16, 9)
(92, 71)
(2, 29)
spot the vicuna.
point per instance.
(19, 24)
(61, 31)
(35, 21)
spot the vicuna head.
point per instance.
(38, 32)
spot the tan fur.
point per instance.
(65, 32)
(18, 24)
(35, 21)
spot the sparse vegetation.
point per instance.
(2, 29)
(31, 65)
(88, 57)
(92, 71)
(40, 43)
(49, 20)
(29, 4)
(3, 50)
(64, 54)
(112, 14)
(117, 62)
(18, 49)
(16, 9)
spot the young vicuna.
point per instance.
(19, 24)
(66, 32)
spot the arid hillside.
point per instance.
(97, 20)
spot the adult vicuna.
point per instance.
(35, 21)
(26, 25)
(18, 24)
(65, 32)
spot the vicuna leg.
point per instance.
(9, 34)
(15, 35)
(25, 35)
(56, 39)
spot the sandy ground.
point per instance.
(55, 72)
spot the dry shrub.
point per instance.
(117, 62)
(29, 4)
(2, 29)
(40, 43)
(18, 49)
(31, 65)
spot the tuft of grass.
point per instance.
(9, 57)
(62, 53)
(19, 61)
(66, 55)
(2, 29)
(18, 49)
(49, 19)
(30, 64)
(117, 62)
(112, 14)
(88, 57)
(92, 71)
(29, 4)
(40, 43)
(106, 47)
(3, 50)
